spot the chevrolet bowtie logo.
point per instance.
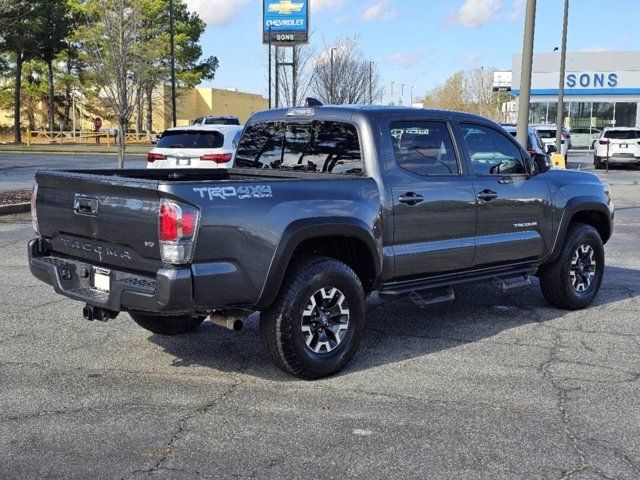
(285, 7)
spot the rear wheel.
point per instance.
(572, 281)
(314, 327)
(172, 325)
(597, 163)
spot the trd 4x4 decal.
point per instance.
(241, 193)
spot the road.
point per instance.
(494, 385)
(17, 170)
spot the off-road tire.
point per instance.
(555, 278)
(281, 324)
(172, 325)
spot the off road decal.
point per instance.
(241, 193)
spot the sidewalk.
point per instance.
(74, 149)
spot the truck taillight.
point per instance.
(152, 157)
(34, 209)
(217, 157)
(177, 228)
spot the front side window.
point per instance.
(424, 148)
(491, 152)
(318, 147)
(190, 139)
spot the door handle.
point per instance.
(487, 195)
(411, 199)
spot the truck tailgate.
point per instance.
(109, 220)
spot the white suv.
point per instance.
(197, 146)
(618, 145)
(548, 135)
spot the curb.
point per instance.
(15, 208)
(46, 152)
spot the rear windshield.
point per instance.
(547, 133)
(622, 134)
(319, 147)
(222, 121)
(191, 139)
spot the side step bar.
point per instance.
(436, 290)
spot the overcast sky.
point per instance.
(416, 42)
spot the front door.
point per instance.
(434, 207)
(514, 208)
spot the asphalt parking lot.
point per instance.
(492, 386)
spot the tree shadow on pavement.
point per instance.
(479, 312)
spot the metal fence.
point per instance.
(35, 137)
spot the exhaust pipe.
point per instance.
(231, 320)
(91, 313)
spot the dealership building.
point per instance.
(602, 89)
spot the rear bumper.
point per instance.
(169, 292)
(619, 159)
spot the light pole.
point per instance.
(371, 63)
(402, 94)
(563, 61)
(332, 87)
(393, 84)
(412, 88)
(525, 74)
(173, 62)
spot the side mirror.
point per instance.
(552, 149)
(540, 163)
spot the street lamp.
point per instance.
(402, 95)
(173, 62)
(371, 63)
(525, 75)
(412, 89)
(563, 61)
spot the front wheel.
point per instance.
(315, 326)
(170, 325)
(572, 281)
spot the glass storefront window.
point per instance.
(538, 112)
(580, 115)
(602, 115)
(626, 114)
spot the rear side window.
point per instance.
(319, 147)
(622, 134)
(191, 139)
(424, 148)
(491, 152)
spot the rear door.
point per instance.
(434, 211)
(514, 208)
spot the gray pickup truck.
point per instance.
(325, 206)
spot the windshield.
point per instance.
(222, 121)
(320, 147)
(622, 134)
(547, 133)
(190, 139)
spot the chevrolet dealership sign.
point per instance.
(286, 22)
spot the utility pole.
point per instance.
(173, 62)
(270, 79)
(402, 95)
(412, 88)
(393, 84)
(371, 83)
(294, 76)
(563, 61)
(277, 76)
(525, 74)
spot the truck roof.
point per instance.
(348, 113)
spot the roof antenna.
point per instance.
(313, 102)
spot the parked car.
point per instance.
(202, 146)
(534, 145)
(217, 120)
(328, 205)
(618, 145)
(548, 135)
(584, 137)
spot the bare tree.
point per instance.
(478, 85)
(111, 37)
(295, 80)
(343, 76)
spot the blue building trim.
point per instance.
(583, 91)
